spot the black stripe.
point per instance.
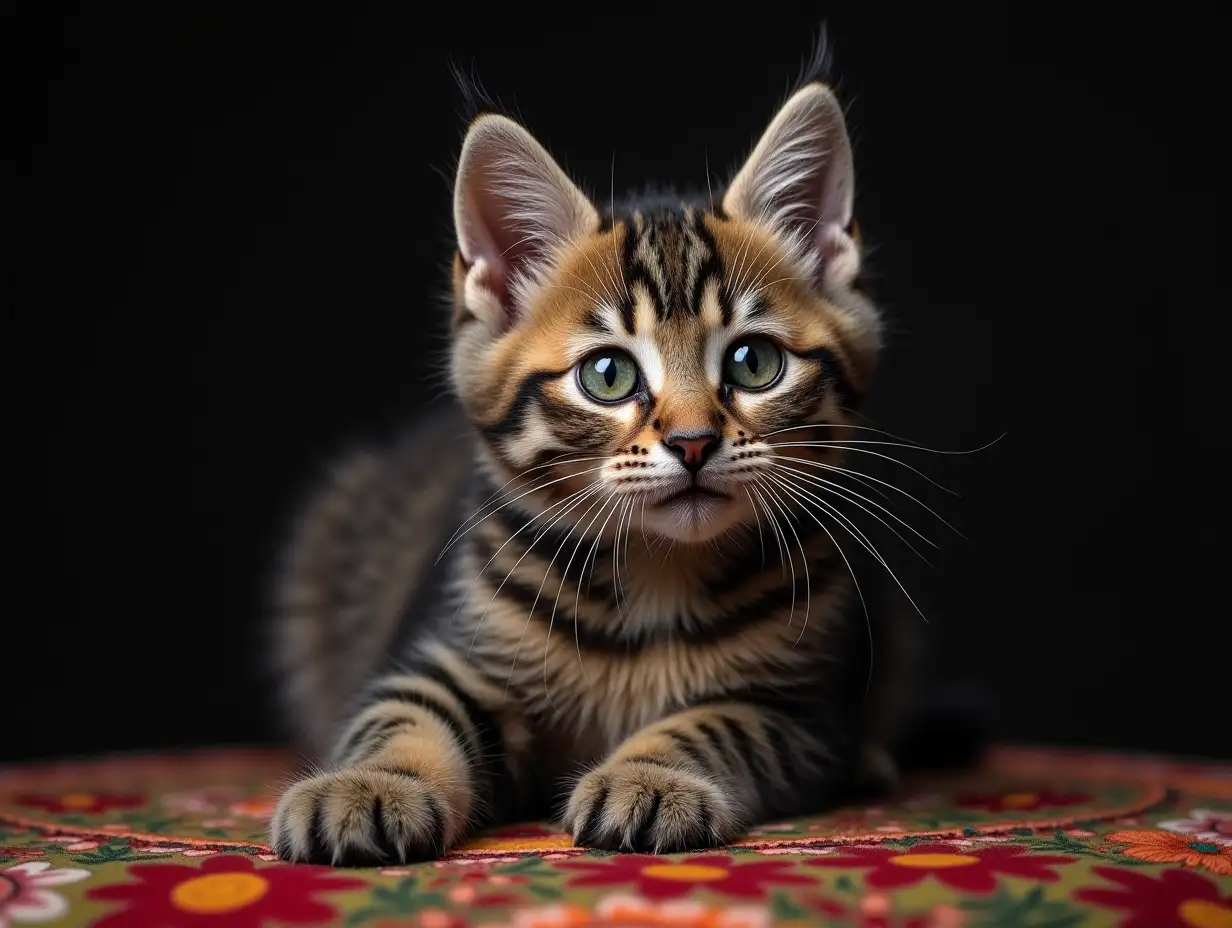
(705, 814)
(283, 846)
(711, 269)
(427, 703)
(376, 737)
(381, 838)
(484, 722)
(836, 376)
(358, 737)
(744, 746)
(529, 390)
(761, 608)
(436, 828)
(715, 739)
(641, 839)
(627, 318)
(782, 754)
(519, 526)
(590, 827)
(687, 745)
(319, 851)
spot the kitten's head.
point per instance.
(661, 359)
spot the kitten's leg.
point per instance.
(412, 770)
(697, 779)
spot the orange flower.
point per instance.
(1166, 847)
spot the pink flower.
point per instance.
(187, 850)
(462, 895)
(468, 862)
(1204, 824)
(76, 843)
(219, 823)
(24, 896)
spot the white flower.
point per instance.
(1215, 827)
(24, 896)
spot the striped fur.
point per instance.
(685, 667)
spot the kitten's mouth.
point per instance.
(693, 493)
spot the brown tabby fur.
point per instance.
(661, 678)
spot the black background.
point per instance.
(232, 240)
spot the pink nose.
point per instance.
(692, 450)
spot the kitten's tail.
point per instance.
(950, 729)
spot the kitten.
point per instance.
(643, 621)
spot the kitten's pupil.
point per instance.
(605, 367)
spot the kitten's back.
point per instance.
(358, 554)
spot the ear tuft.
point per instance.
(514, 208)
(800, 180)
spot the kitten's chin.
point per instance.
(694, 518)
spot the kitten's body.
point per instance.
(664, 671)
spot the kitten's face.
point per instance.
(645, 367)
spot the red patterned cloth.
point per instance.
(1035, 837)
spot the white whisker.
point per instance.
(543, 486)
(808, 596)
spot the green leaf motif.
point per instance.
(403, 899)
(113, 850)
(785, 909)
(524, 865)
(1004, 910)
(845, 884)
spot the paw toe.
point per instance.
(358, 818)
(649, 808)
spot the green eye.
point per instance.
(609, 375)
(752, 363)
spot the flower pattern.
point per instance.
(1168, 847)
(169, 842)
(25, 895)
(972, 871)
(17, 853)
(1203, 824)
(1022, 800)
(671, 878)
(79, 803)
(229, 891)
(1178, 898)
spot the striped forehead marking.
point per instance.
(672, 258)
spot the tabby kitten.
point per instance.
(644, 622)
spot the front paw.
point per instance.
(646, 806)
(362, 817)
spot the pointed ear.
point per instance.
(800, 180)
(513, 208)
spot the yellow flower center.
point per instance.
(1202, 913)
(534, 843)
(685, 873)
(77, 801)
(931, 861)
(1019, 800)
(219, 892)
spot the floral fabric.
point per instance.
(1033, 838)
